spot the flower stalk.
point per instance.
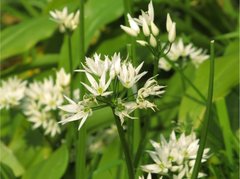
(125, 147)
(205, 125)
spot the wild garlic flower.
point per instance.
(108, 81)
(176, 157)
(145, 24)
(12, 92)
(67, 22)
(78, 111)
(149, 176)
(180, 54)
(98, 89)
(42, 101)
(129, 75)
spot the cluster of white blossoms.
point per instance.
(108, 82)
(145, 24)
(180, 53)
(66, 22)
(175, 158)
(42, 100)
(12, 92)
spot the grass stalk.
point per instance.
(207, 117)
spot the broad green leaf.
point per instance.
(107, 167)
(113, 45)
(225, 78)
(52, 168)
(97, 14)
(7, 157)
(21, 37)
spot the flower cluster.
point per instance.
(175, 158)
(42, 100)
(12, 92)
(145, 24)
(66, 22)
(180, 53)
(109, 80)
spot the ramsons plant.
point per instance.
(124, 88)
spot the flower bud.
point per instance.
(172, 33)
(145, 28)
(129, 31)
(142, 42)
(154, 29)
(169, 23)
(152, 41)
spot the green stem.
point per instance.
(142, 144)
(81, 143)
(125, 147)
(70, 62)
(207, 116)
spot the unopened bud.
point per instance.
(142, 42)
(152, 41)
(145, 28)
(172, 33)
(154, 29)
(169, 23)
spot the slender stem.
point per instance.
(70, 62)
(207, 116)
(70, 129)
(81, 143)
(125, 147)
(142, 143)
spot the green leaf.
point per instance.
(110, 161)
(226, 77)
(97, 14)
(7, 157)
(52, 168)
(21, 37)
(6, 171)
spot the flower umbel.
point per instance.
(176, 157)
(66, 22)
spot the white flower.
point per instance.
(65, 21)
(115, 65)
(147, 16)
(134, 29)
(62, 78)
(180, 51)
(42, 100)
(124, 110)
(149, 176)
(129, 75)
(172, 33)
(12, 92)
(95, 65)
(177, 156)
(98, 89)
(150, 88)
(80, 111)
(163, 64)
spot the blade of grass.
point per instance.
(204, 129)
(225, 126)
